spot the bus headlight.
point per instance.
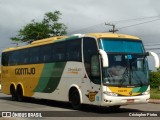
(146, 92)
(110, 93)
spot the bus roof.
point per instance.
(63, 38)
(111, 35)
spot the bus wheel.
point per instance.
(19, 93)
(75, 99)
(13, 93)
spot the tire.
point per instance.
(13, 93)
(75, 99)
(20, 96)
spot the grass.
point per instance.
(155, 93)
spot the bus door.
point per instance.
(92, 80)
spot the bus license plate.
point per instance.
(130, 100)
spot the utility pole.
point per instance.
(112, 30)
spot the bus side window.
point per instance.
(13, 58)
(34, 55)
(74, 50)
(59, 52)
(5, 59)
(46, 53)
(26, 56)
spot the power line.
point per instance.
(139, 23)
(119, 21)
(136, 19)
(150, 44)
(152, 48)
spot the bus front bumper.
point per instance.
(123, 100)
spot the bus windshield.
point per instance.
(122, 45)
(127, 63)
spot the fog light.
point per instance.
(107, 101)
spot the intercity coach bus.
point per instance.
(101, 69)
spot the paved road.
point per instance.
(64, 110)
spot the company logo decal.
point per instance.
(91, 96)
(74, 70)
(130, 93)
(25, 71)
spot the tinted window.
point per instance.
(121, 45)
(4, 59)
(90, 49)
(26, 56)
(74, 50)
(45, 54)
(13, 58)
(34, 56)
(59, 51)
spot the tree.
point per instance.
(48, 27)
(154, 79)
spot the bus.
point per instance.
(101, 69)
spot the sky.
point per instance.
(84, 16)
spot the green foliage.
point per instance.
(48, 27)
(155, 93)
(154, 79)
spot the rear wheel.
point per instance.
(13, 93)
(75, 99)
(20, 96)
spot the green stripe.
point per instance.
(50, 77)
(143, 89)
(140, 89)
(136, 90)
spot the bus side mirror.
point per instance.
(146, 54)
(104, 58)
(156, 58)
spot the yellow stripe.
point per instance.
(123, 91)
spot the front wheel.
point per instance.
(75, 99)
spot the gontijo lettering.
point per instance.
(25, 71)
